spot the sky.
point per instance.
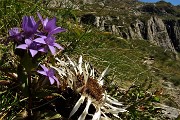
(174, 2)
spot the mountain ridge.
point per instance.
(131, 19)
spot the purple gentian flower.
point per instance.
(32, 46)
(29, 26)
(50, 25)
(49, 73)
(14, 31)
(15, 34)
(50, 42)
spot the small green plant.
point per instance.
(32, 44)
(139, 101)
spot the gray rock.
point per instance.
(168, 112)
(155, 30)
(157, 33)
(173, 28)
(135, 30)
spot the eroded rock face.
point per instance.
(158, 34)
(173, 29)
(162, 33)
(137, 30)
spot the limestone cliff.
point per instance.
(158, 34)
(173, 29)
(157, 31)
(126, 22)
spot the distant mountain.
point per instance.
(157, 22)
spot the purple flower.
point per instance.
(14, 31)
(50, 42)
(15, 34)
(49, 73)
(32, 46)
(29, 26)
(50, 25)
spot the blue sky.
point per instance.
(174, 2)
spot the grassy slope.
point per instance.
(124, 57)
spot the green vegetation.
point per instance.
(130, 61)
(126, 58)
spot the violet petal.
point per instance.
(42, 72)
(14, 31)
(51, 80)
(50, 40)
(40, 40)
(45, 22)
(58, 46)
(56, 81)
(40, 17)
(43, 50)
(51, 24)
(32, 21)
(33, 52)
(52, 49)
(57, 30)
(44, 68)
(22, 46)
(28, 41)
(51, 72)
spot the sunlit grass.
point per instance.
(125, 58)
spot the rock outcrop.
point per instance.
(173, 29)
(165, 33)
(162, 33)
(158, 34)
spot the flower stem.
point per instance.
(30, 95)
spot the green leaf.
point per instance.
(156, 99)
(26, 62)
(22, 78)
(54, 117)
